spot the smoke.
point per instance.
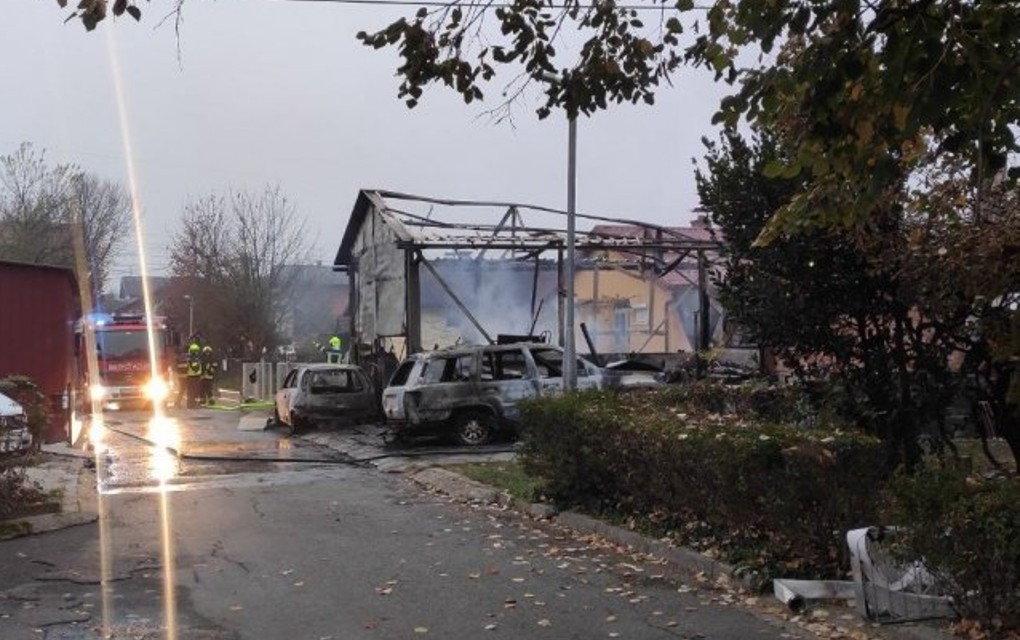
(502, 296)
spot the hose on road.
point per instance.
(355, 462)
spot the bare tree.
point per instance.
(237, 248)
(39, 203)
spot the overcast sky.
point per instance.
(279, 92)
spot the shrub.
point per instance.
(674, 458)
(966, 530)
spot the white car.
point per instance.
(315, 395)
(15, 436)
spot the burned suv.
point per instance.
(471, 392)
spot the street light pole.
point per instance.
(191, 316)
(570, 344)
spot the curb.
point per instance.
(44, 524)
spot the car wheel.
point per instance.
(300, 424)
(276, 422)
(474, 428)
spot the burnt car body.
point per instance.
(318, 395)
(472, 392)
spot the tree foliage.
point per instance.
(235, 250)
(900, 314)
(40, 203)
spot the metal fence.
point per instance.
(260, 380)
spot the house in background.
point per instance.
(631, 304)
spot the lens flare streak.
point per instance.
(163, 462)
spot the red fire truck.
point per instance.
(125, 370)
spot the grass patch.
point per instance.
(507, 476)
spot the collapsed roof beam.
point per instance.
(460, 305)
(506, 205)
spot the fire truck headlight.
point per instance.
(97, 392)
(157, 389)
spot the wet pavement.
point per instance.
(197, 447)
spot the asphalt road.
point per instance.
(327, 551)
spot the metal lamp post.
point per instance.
(570, 344)
(191, 315)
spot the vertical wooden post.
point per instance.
(413, 301)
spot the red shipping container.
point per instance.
(38, 307)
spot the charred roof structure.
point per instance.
(393, 240)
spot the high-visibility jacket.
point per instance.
(194, 367)
(209, 368)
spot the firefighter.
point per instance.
(332, 349)
(194, 373)
(209, 368)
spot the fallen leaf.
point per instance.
(489, 627)
(299, 583)
(610, 618)
(286, 572)
(544, 622)
(474, 576)
(236, 607)
(421, 629)
(671, 623)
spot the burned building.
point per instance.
(428, 272)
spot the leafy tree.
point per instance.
(235, 249)
(40, 203)
(873, 310)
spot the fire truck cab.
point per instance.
(127, 374)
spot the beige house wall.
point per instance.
(626, 313)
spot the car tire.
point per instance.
(299, 424)
(474, 428)
(277, 423)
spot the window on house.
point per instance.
(641, 314)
